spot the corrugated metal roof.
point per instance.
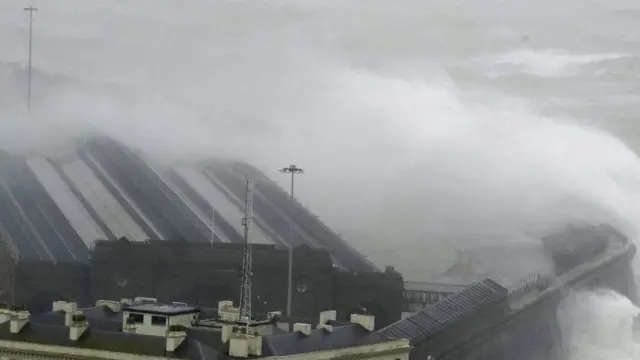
(52, 207)
(421, 325)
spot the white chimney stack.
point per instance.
(327, 316)
(245, 345)
(5, 315)
(18, 319)
(175, 337)
(64, 306)
(78, 325)
(255, 345)
(239, 346)
(228, 312)
(302, 328)
(366, 321)
(68, 308)
(226, 331)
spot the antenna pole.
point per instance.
(245, 294)
(31, 10)
(293, 170)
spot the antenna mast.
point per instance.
(245, 294)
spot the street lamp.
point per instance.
(31, 10)
(293, 170)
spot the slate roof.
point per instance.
(421, 325)
(201, 344)
(54, 206)
(319, 340)
(96, 339)
(100, 317)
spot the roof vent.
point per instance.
(302, 328)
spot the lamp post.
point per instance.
(293, 170)
(31, 10)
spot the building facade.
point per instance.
(144, 329)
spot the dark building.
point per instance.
(184, 226)
(37, 282)
(202, 274)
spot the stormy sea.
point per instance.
(429, 130)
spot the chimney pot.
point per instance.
(5, 315)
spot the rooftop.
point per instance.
(202, 343)
(94, 339)
(162, 309)
(318, 340)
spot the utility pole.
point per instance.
(245, 292)
(31, 10)
(293, 170)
